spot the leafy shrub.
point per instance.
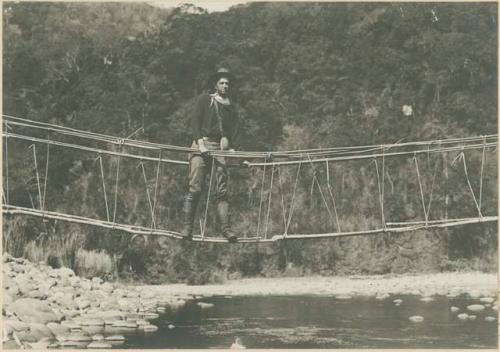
(34, 253)
(93, 263)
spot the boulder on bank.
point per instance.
(67, 300)
(31, 310)
(35, 333)
(72, 325)
(97, 281)
(148, 328)
(82, 303)
(14, 325)
(63, 272)
(111, 315)
(7, 299)
(10, 345)
(108, 287)
(58, 329)
(37, 294)
(78, 337)
(151, 316)
(43, 344)
(99, 345)
(89, 321)
(41, 331)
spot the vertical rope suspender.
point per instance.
(7, 161)
(158, 168)
(46, 175)
(261, 197)
(33, 146)
(104, 186)
(331, 196)
(270, 197)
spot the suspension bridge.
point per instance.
(277, 179)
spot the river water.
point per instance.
(322, 322)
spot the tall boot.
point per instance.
(189, 210)
(223, 212)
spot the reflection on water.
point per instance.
(321, 322)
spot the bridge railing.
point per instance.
(310, 193)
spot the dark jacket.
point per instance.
(205, 122)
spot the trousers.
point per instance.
(201, 165)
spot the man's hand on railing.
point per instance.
(224, 143)
(201, 146)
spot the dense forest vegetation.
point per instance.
(307, 75)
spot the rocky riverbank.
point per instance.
(50, 308)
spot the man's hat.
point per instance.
(221, 72)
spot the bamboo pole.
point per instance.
(411, 226)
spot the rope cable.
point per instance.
(380, 193)
(261, 197)
(33, 146)
(94, 150)
(31, 200)
(292, 202)
(295, 153)
(46, 176)
(432, 188)
(371, 156)
(324, 200)
(383, 187)
(483, 161)
(282, 197)
(116, 187)
(254, 154)
(315, 179)
(296, 157)
(156, 186)
(421, 188)
(141, 164)
(208, 198)
(470, 186)
(269, 204)
(332, 196)
(104, 187)
(13, 210)
(7, 163)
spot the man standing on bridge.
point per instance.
(214, 127)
